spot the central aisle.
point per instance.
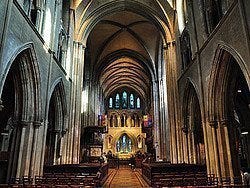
(125, 177)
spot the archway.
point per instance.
(9, 95)
(20, 116)
(193, 132)
(229, 114)
(56, 127)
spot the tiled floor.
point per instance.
(125, 178)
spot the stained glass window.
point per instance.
(117, 101)
(132, 101)
(110, 102)
(124, 144)
(138, 103)
(124, 99)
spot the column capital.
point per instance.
(184, 129)
(37, 124)
(57, 131)
(224, 122)
(213, 123)
(171, 43)
(165, 46)
(25, 123)
(64, 132)
(1, 105)
(80, 44)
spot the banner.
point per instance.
(147, 120)
(102, 120)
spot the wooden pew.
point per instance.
(162, 174)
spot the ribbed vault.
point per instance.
(123, 52)
(124, 39)
(125, 72)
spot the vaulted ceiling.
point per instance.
(124, 39)
(123, 49)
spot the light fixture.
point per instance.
(244, 131)
(239, 91)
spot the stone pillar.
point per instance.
(172, 95)
(64, 146)
(185, 145)
(225, 149)
(225, 125)
(129, 121)
(76, 97)
(208, 149)
(39, 19)
(156, 128)
(26, 142)
(119, 121)
(194, 153)
(35, 151)
(217, 172)
(56, 132)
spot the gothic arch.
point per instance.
(228, 77)
(129, 135)
(118, 135)
(57, 119)
(25, 111)
(30, 72)
(193, 137)
(58, 87)
(218, 82)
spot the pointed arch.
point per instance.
(57, 120)
(194, 145)
(31, 84)
(218, 79)
(228, 70)
(58, 90)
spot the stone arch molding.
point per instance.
(29, 69)
(118, 135)
(58, 88)
(190, 85)
(215, 102)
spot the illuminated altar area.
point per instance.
(124, 120)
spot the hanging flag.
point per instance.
(104, 120)
(145, 121)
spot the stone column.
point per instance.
(194, 153)
(214, 127)
(119, 121)
(156, 128)
(225, 149)
(189, 145)
(173, 113)
(24, 156)
(56, 132)
(64, 146)
(35, 151)
(185, 145)
(209, 149)
(76, 97)
(39, 19)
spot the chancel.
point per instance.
(124, 93)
